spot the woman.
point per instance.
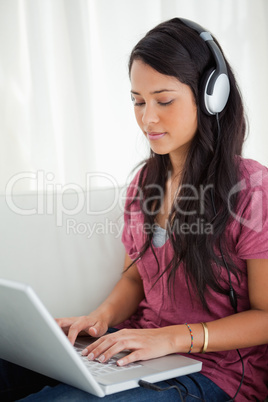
(196, 268)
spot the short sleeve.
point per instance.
(132, 218)
(251, 218)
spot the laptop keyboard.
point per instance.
(97, 368)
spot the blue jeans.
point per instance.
(18, 383)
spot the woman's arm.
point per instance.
(125, 297)
(248, 328)
(245, 329)
(119, 305)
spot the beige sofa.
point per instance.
(67, 245)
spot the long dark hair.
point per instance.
(174, 49)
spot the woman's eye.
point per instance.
(138, 103)
(135, 102)
(165, 103)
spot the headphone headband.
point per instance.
(216, 87)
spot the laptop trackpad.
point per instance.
(122, 376)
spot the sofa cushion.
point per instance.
(66, 246)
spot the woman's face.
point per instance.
(165, 110)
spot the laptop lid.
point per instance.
(31, 338)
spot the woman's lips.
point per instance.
(155, 136)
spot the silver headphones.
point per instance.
(216, 85)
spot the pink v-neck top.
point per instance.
(247, 236)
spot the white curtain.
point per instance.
(65, 109)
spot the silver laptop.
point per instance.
(31, 338)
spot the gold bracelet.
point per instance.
(206, 337)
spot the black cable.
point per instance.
(232, 293)
(187, 392)
(233, 301)
(219, 128)
(154, 387)
(242, 379)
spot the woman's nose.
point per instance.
(150, 115)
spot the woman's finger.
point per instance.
(111, 344)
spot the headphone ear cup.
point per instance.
(215, 90)
(203, 91)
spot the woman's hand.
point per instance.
(144, 344)
(119, 306)
(93, 324)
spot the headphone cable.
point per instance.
(232, 293)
